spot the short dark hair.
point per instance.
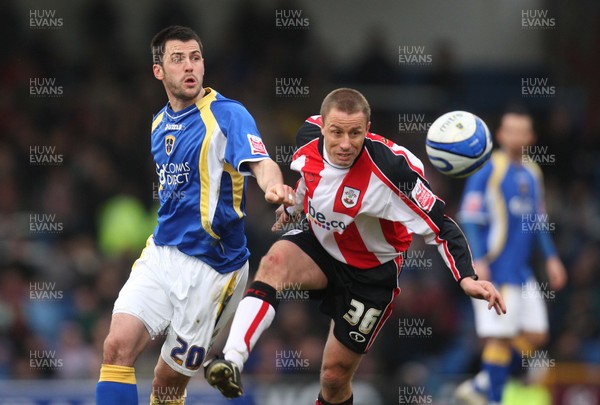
(346, 100)
(174, 32)
(516, 109)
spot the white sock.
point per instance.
(482, 381)
(252, 317)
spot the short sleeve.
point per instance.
(244, 143)
(473, 208)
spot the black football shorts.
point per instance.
(358, 301)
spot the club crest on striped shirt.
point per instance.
(350, 197)
(169, 144)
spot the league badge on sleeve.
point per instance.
(423, 196)
(350, 197)
(257, 147)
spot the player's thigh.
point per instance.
(339, 362)
(142, 310)
(286, 263)
(359, 302)
(203, 301)
(489, 324)
(534, 315)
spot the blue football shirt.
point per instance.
(505, 202)
(201, 155)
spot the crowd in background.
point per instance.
(74, 216)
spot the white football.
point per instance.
(458, 143)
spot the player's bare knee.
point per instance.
(272, 269)
(116, 351)
(536, 339)
(335, 377)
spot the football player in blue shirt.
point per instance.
(191, 274)
(503, 216)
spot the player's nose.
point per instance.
(345, 142)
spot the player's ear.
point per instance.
(158, 71)
(368, 126)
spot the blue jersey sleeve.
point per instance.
(244, 143)
(473, 208)
(473, 211)
(545, 244)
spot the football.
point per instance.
(458, 143)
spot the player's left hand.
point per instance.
(281, 194)
(484, 290)
(282, 218)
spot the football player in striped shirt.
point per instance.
(504, 218)
(363, 197)
(191, 275)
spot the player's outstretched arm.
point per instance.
(484, 290)
(270, 180)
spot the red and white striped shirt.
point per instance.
(364, 215)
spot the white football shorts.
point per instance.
(183, 298)
(525, 312)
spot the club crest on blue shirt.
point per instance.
(169, 144)
(350, 197)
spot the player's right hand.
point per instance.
(484, 290)
(281, 194)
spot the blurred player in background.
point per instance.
(503, 217)
(191, 275)
(363, 197)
